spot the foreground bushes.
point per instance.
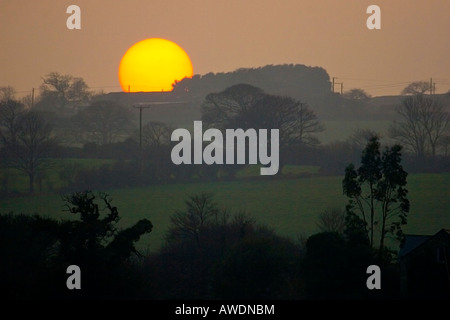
(208, 253)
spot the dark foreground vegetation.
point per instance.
(209, 253)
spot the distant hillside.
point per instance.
(306, 84)
(310, 85)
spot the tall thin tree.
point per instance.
(377, 192)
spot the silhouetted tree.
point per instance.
(36, 251)
(102, 122)
(60, 91)
(197, 237)
(417, 87)
(359, 137)
(245, 106)
(11, 112)
(155, 134)
(95, 232)
(378, 183)
(423, 124)
(7, 93)
(356, 94)
(188, 224)
(210, 253)
(332, 220)
(102, 250)
(26, 139)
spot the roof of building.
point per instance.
(413, 241)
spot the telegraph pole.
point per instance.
(140, 107)
(147, 105)
(334, 83)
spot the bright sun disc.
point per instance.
(153, 65)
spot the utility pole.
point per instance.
(140, 107)
(146, 105)
(334, 83)
(342, 86)
(432, 86)
(32, 98)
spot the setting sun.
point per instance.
(153, 65)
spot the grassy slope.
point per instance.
(289, 206)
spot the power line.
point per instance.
(377, 85)
(384, 85)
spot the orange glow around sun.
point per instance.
(153, 65)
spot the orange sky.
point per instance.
(224, 35)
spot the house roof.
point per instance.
(413, 241)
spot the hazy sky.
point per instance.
(224, 35)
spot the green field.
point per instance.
(291, 207)
(52, 180)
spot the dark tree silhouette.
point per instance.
(94, 233)
(359, 137)
(61, 91)
(7, 93)
(102, 122)
(356, 94)
(417, 87)
(423, 125)
(211, 253)
(11, 112)
(36, 251)
(200, 212)
(332, 220)
(245, 106)
(155, 134)
(104, 252)
(27, 140)
(377, 193)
